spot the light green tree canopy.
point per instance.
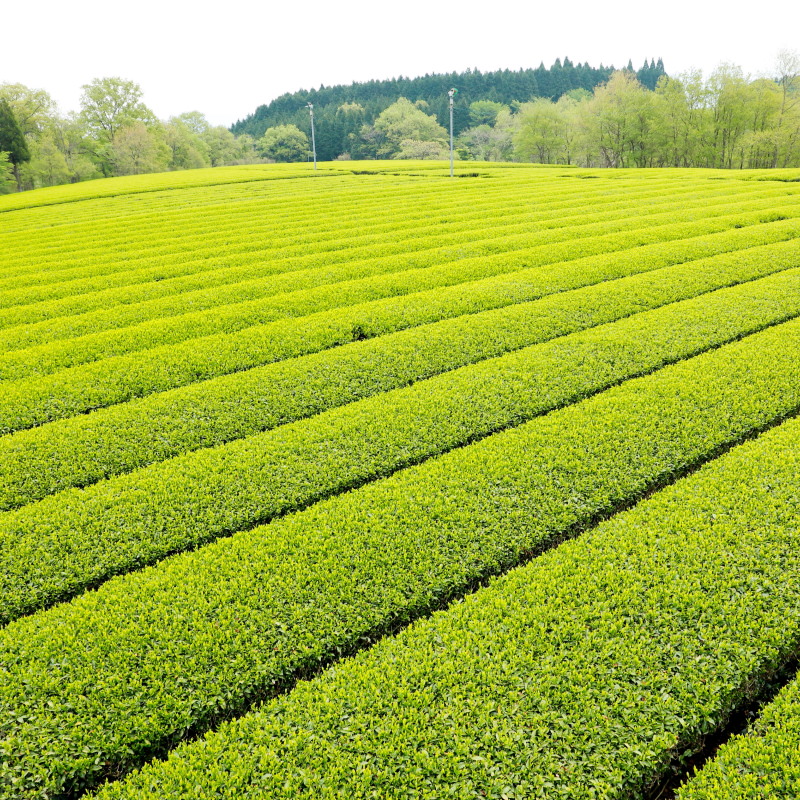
(578, 95)
(108, 104)
(540, 134)
(48, 166)
(222, 145)
(182, 135)
(6, 173)
(415, 149)
(34, 108)
(136, 149)
(403, 120)
(284, 143)
(195, 121)
(619, 118)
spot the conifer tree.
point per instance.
(12, 140)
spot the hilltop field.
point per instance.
(370, 482)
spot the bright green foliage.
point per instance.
(153, 654)
(237, 313)
(113, 113)
(285, 143)
(351, 254)
(81, 450)
(540, 132)
(401, 124)
(484, 112)
(578, 676)
(109, 104)
(31, 401)
(255, 419)
(157, 510)
(763, 764)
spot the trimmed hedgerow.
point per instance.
(188, 258)
(81, 450)
(581, 675)
(36, 400)
(761, 764)
(211, 228)
(52, 356)
(79, 537)
(93, 687)
(407, 228)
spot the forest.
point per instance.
(369, 99)
(566, 114)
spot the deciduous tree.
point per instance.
(403, 121)
(137, 149)
(619, 121)
(47, 166)
(107, 104)
(6, 173)
(540, 134)
(484, 112)
(187, 148)
(285, 143)
(34, 109)
(415, 149)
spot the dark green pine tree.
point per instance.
(542, 76)
(12, 140)
(559, 82)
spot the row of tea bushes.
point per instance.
(94, 687)
(48, 330)
(189, 268)
(77, 538)
(36, 400)
(81, 450)
(581, 675)
(764, 763)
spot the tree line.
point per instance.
(341, 111)
(113, 133)
(726, 120)
(628, 118)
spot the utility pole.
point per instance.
(313, 138)
(451, 94)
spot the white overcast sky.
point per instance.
(225, 59)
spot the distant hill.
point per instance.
(503, 86)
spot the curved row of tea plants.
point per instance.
(207, 226)
(81, 450)
(425, 252)
(125, 310)
(237, 315)
(167, 181)
(94, 686)
(581, 675)
(291, 206)
(762, 764)
(203, 234)
(78, 538)
(36, 400)
(291, 211)
(48, 330)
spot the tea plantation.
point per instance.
(370, 482)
